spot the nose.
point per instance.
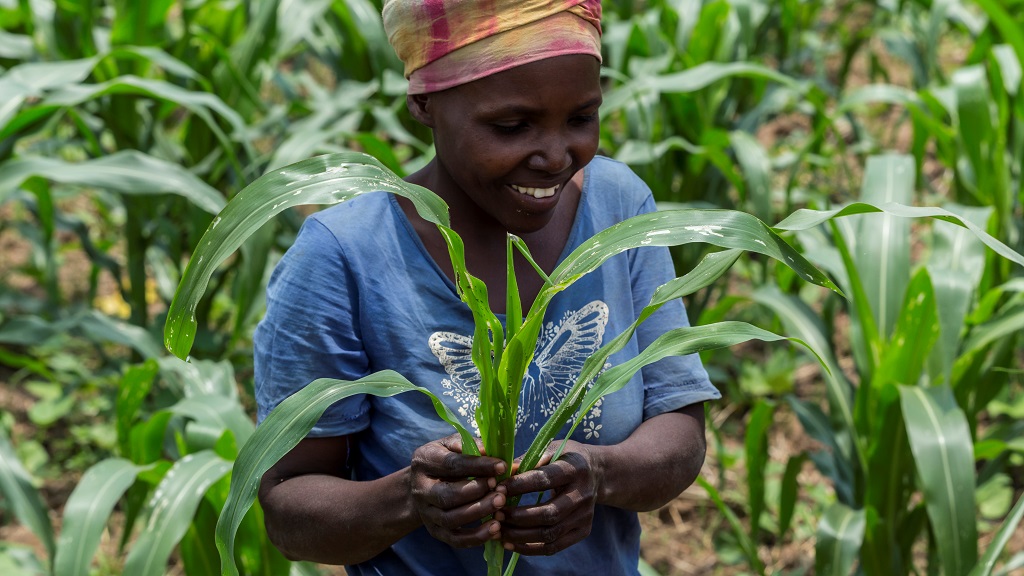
(552, 156)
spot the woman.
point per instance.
(511, 92)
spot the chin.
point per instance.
(528, 224)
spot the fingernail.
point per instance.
(494, 528)
(501, 489)
(499, 468)
(499, 500)
(508, 546)
(491, 483)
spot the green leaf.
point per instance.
(249, 286)
(26, 331)
(896, 95)
(326, 180)
(944, 457)
(132, 391)
(804, 219)
(747, 545)
(31, 79)
(639, 153)
(22, 497)
(16, 46)
(1008, 322)
(865, 341)
(802, 322)
(678, 342)
(916, 331)
(286, 426)
(198, 546)
(170, 511)
(99, 327)
(1009, 66)
(788, 490)
(831, 461)
(994, 497)
(199, 377)
(691, 80)
(140, 22)
(883, 241)
(840, 534)
(707, 271)
(17, 560)
(87, 511)
(956, 266)
(725, 228)
(126, 172)
(49, 410)
(988, 560)
(1009, 28)
(757, 172)
(218, 413)
(755, 442)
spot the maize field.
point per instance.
(866, 330)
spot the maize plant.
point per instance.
(501, 354)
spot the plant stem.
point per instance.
(136, 261)
(494, 554)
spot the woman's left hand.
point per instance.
(565, 519)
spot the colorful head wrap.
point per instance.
(445, 43)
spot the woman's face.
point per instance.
(511, 141)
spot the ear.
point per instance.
(420, 107)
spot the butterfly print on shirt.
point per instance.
(561, 350)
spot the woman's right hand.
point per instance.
(453, 492)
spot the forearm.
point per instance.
(655, 464)
(330, 520)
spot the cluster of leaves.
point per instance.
(126, 126)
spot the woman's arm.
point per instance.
(313, 513)
(654, 465)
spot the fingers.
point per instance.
(448, 495)
(470, 536)
(549, 535)
(551, 476)
(460, 527)
(444, 459)
(453, 492)
(563, 520)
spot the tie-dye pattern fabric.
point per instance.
(445, 43)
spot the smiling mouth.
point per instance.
(535, 192)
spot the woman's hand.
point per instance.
(565, 519)
(669, 448)
(453, 492)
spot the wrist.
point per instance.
(408, 515)
(598, 460)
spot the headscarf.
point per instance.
(445, 43)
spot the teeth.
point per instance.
(536, 192)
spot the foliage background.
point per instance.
(125, 126)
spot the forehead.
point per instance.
(553, 84)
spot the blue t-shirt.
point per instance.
(358, 293)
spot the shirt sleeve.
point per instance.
(677, 381)
(311, 331)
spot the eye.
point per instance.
(583, 119)
(509, 127)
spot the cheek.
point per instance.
(586, 145)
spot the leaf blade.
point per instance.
(87, 511)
